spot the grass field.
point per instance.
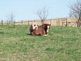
(62, 44)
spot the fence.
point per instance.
(53, 22)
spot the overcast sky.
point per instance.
(26, 9)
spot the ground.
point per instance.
(61, 44)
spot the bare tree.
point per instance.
(42, 14)
(11, 20)
(2, 22)
(76, 12)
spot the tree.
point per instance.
(11, 20)
(76, 12)
(42, 14)
(2, 22)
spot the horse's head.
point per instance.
(34, 26)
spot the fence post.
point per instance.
(28, 22)
(21, 22)
(66, 23)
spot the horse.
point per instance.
(39, 30)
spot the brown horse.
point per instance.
(39, 30)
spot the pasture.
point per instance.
(62, 44)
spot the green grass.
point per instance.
(61, 44)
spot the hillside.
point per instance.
(62, 44)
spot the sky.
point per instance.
(27, 9)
